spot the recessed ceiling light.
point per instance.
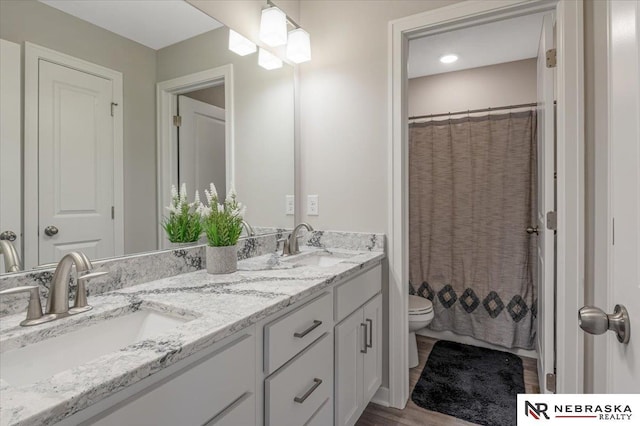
(448, 59)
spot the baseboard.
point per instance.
(381, 397)
(468, 340)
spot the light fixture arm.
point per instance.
(289, 20)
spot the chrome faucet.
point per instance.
(58, 300)
(12, 261)
(291, 244)
(248, 228)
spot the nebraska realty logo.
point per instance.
(588, 409)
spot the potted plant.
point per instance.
(222, 224)
(183, 225)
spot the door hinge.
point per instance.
(113, 212)
(177, 120)
(552, 220)
(113, 105)
(552, 58)
(551, 382)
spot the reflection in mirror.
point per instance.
(93, 171)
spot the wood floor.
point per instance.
(413, 415)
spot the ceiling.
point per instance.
(152, 23)
(494, 43)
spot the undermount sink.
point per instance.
(45, 358)
(322, 258)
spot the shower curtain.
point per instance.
(472, 194)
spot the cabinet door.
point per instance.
(372, 365)
(349, 342)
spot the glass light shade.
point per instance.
(268, 61)
(273, 27)
(299, 46)
(240, 45)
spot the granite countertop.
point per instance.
(214, 306)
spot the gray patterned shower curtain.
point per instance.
(472, 194)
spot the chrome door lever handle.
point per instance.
(595, 321)
(50, 230)
(532, 230)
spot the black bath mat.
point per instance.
(474, 384)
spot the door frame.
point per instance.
(167, 97)
(570, 188)
(32, 55)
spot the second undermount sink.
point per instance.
(46, 358)
(319, 258)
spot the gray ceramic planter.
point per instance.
(222, 260)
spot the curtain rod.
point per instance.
(473, 111)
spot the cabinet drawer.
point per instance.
(288, 335)
(194, 395)
(352, 294)
(294, 394)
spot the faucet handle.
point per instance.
(285, 246)
(80, 304)
(34, 310)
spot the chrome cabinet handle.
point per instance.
(532, 230)
(595, 321)
(300, 399)
(8, 236)
(364, 351)
(50, 230)
(370, 344)
(315, 325)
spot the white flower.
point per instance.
(231, 194)
(183, 193)
(220, 208)
(196, 200)
(203, 210)
(174, 192)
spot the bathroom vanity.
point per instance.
(291, 340)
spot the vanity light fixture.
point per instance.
(273, 27)
(448, 59)
(299, 46)
(239, 44)
(268, 61)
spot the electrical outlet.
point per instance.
(312, 205)
(290, 205)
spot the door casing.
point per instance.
(570, 189)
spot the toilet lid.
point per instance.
(419, 305)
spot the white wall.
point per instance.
(344, 110)
(509, 83)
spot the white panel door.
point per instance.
(546, 203)
(349, 342)
(201, 149)
(372, 368)
(10, 158)
(623, 366)
(75, 163)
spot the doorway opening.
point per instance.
(192, 100)
(569, 152)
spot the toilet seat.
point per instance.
(419, 306)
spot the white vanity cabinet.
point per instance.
(215, 387)
(358, 346)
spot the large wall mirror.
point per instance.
(90, 144)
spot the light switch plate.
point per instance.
(290, 205)
(312, 205)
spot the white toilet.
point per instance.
(420, 316)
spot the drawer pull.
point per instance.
(370, 344)
(364, 335)
(301, 399)
(315, 325)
